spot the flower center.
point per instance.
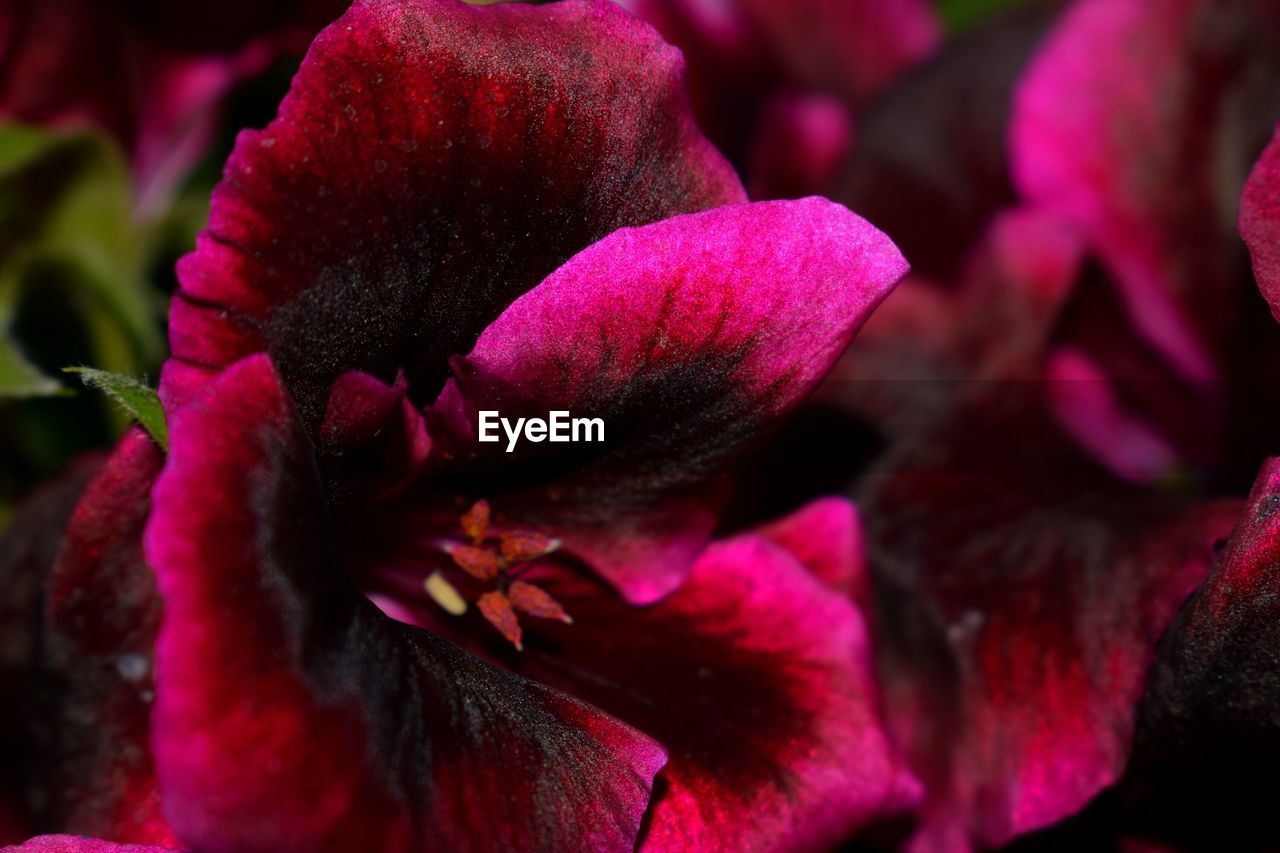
(497, 561)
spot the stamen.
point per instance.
(481, 563)
(444, 594)
(521, 547)
(496, 607)
(536, 601)
(475, 522)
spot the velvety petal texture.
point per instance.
(688, 338)
(1211, 717)
(756, 677)
(1020, 594)
(1260, 222)
(432, 161)
(79, 844)
(92, 715)
(291, 714)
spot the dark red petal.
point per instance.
(291, 713)
(67, 61)
(80, 844)
(747, 58)
(358, 409)
(1260, 222)
(852, 48)
(433, 161)
(800, 147)
(202, 28)
(929, 164)
(1211, 717)
(688, 338)
(758, 680)
(1138, 122)
(929, 345)
(1020, 593)
(96, 773)
(28, 549)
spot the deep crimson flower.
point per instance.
(777, 86)
(434, 187)
(1027, 551)
(151, 74)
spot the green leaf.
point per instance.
(962, 14)
(138, 399)
(68, 239)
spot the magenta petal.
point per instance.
(291, 713)
(1260, 222)
(758, 680)
(80, 844)
(1129, 121)
(1020, 593)
(689, 338)
(433, 161)
(826, 537)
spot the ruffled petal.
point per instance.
(758, 680)
(1020, 594)
(291, 714)
(433, 161)
(688, 338)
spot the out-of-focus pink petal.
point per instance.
(1021, 591)
(95, 772)
(1138, 122)
(1260, 222)
(929, 164)
(802, 144)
